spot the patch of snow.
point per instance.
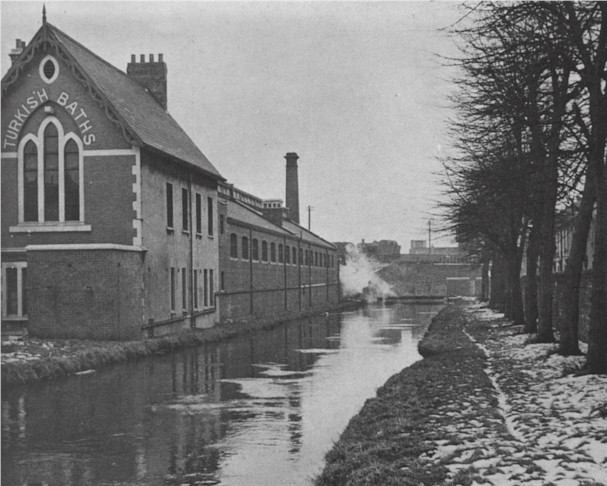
(549, 414)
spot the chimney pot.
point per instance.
(133, 58)
(152, 76)
(142, 58)
(160, 57)
(16, 52)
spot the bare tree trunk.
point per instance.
(496, 301)
(546, 281)
(568, 323)
(593, 56)
(596, 358)
(485, 281)
(514, 283)
(531, 282)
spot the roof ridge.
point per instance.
(57, 30)
(137, 114)
(310, 232)
(260, 215)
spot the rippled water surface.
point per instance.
(260, 409)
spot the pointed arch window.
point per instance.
(72, 181)
(51, 196)
(51, 173)
(30, 182)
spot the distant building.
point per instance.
(434, 272)
(420, 252)
(383, 251)
(269, 263)
(565, 222)
(342, 250)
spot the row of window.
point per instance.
(185, 211)
(50, 188)
(203, 285)
(285, 254)
(14, 283)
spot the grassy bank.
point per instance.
(55, 358)
(487, 405)
(393, 438)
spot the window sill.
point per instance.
(170, 230)
(14, 318)
(54, 227)
(185, 232)
(211, 237)
(199, 236)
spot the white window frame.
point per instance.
(41, 69)
(19, 266)
(38, 140)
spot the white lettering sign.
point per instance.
(34, 101)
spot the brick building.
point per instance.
(270, 265)
(112, 222)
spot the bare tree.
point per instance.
(535, 74)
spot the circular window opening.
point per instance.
(49, 69)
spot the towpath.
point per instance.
(483, 408)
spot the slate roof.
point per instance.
(150, 124)
(245, 214)
(306, 235)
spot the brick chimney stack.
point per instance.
(292, 187)
(151, 75)
(16, 52)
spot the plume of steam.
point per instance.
(359, 277)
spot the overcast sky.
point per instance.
(355, 88)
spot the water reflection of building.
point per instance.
(154, 419)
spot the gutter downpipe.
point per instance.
(326, 263)
(310, 262)
(251, 267)
(284, 265)
(299, 252)
(192, 290)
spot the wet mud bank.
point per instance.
(32, 360)
(392, 441)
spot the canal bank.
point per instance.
(482, 407)
(26, 360)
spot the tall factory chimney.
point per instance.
(151, 75)
(292, 187)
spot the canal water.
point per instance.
(259, 409)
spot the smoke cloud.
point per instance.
(359, 277)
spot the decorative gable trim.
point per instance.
(46, 36)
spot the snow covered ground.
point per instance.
(556, 422)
